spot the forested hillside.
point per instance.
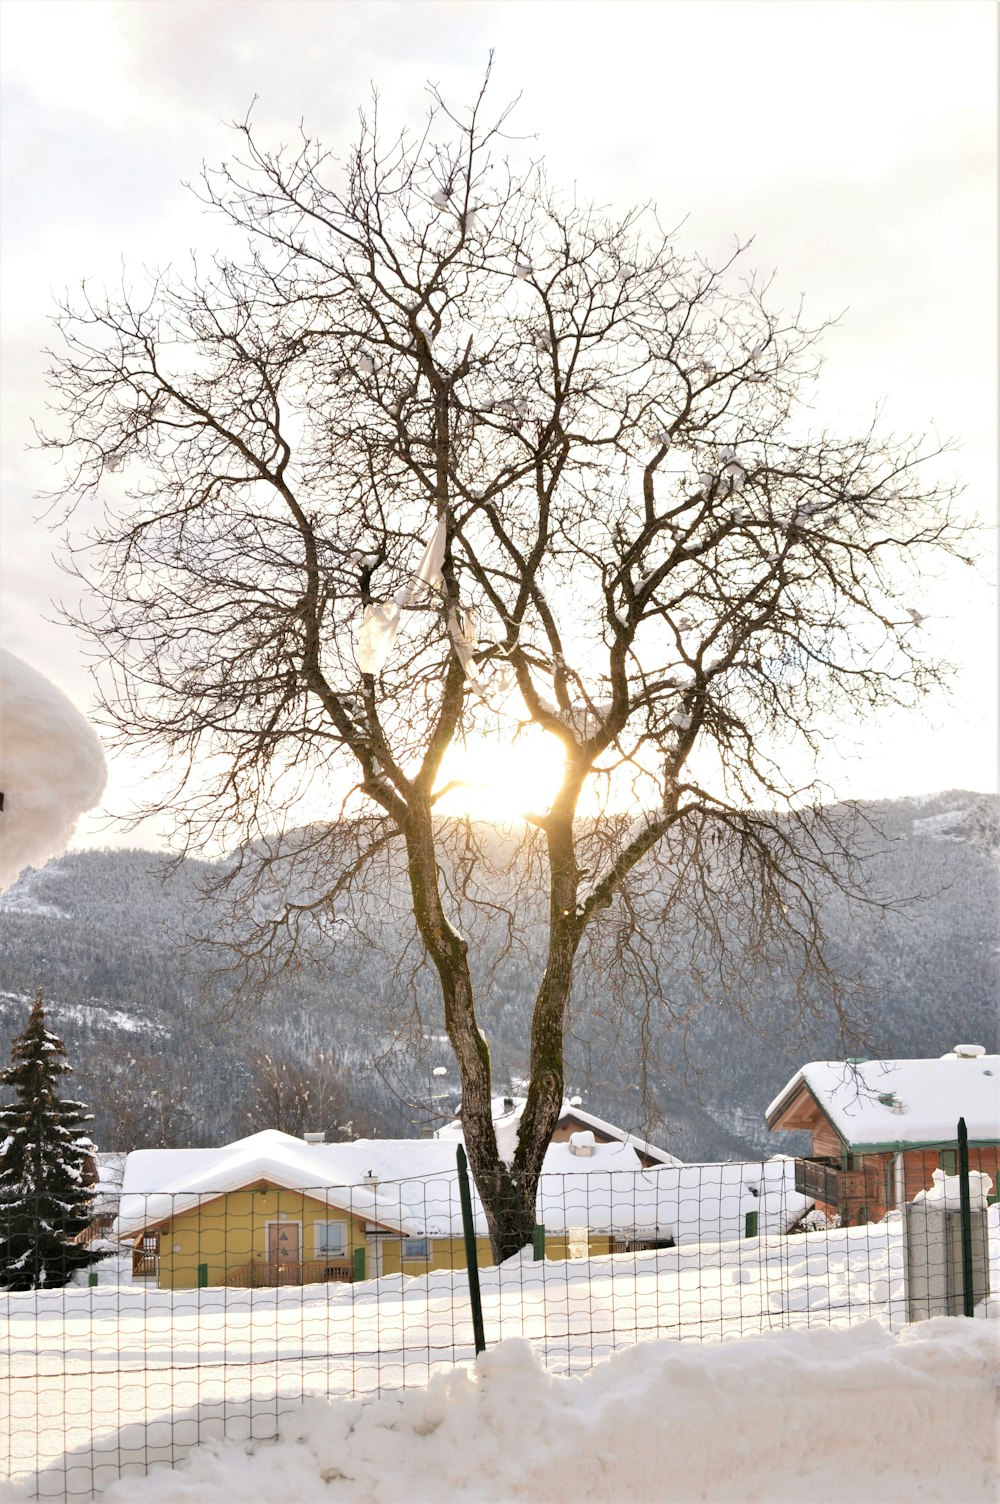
(160, 1060)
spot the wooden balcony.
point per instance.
(146, 1257)
(260, 1275)
(855, 1194)
(820, 1180)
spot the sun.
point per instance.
(503, 777)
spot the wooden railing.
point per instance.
(98, 1227)
(261, 1275)
(146, 1257)
(820, 1180)
(623, 1244)
(850, 1192)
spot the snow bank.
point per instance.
(52, 768)
(946, 1191)
(848, 1416)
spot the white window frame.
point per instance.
(326, 1253)
(416, 1258)
(578, 1242)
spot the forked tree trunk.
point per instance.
(507, 1191)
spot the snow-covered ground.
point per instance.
(835, 1417)
(116, 1378)
(936, 826)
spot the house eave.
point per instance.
(913, 1145)
(797, 1089)
(156, 1224)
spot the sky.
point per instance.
(854, 140)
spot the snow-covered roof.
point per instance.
(162, 1183)
(413, 1178)
(411, 1186)
(889, 1104)
(688, 1203)
(506, 1118)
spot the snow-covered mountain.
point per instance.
(102, 933)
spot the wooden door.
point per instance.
(283, 1243)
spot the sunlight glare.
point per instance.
(499, 778)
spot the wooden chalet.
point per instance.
(880, 1128)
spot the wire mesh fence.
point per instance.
(216, 1310)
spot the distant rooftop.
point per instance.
(507, 1115)
(887, 1104)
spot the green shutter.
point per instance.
(947, 1161)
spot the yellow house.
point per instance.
(266, 1235)
(261, 1234)
(273, 1209)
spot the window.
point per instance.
(331, 1240)
(416, 1248)
(577, 1242)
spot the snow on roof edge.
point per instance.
(931, 1094)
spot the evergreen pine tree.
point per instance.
(45, 1198)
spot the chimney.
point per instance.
(582, 1142)
(315, 1138)
(969, 1051)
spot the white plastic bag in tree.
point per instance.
(463, 627)
(52, 768)
(380, 624)
(428, 575)
(504, 680)
(376, 637)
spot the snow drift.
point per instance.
(845, 1417)
(52, 768)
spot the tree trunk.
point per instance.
(508, 1192)
(508, 1216)
(548, 1019)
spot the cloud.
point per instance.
(856, 143)
(52, 768)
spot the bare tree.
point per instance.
(142, 1098)
(295, 1096)
(447, 454)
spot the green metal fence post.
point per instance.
(538, 1241)
(965, 1212)
(359, 1263)
(750, 1226)
(471, 1254)
(202, 1276)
